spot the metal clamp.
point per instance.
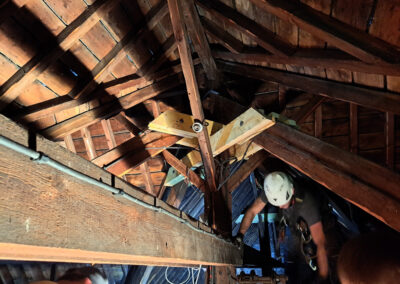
(197, 125)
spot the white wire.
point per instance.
(166, 277)
(198, 274)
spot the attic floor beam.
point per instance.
(337, 171)
(199, 40)
(374, 99)
(180, 33)
(11, 89)
(315, 58)
(345, 37)
(71, 216)
(264, 37)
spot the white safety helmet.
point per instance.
(278, 188)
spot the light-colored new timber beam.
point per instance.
(345, 37)
(245, 170)
(63, 219)
(185, 55)
(317, 58)
(105, 111)
(180, 167)
(264, 37)
(380, 100)
(11, 89)
(199, 40)
(344, 173)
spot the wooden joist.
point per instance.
(245, 170)
(134, 152)
(345, 37)
(144, 168)
(218, 34)
(314, 58)
(69, 143)
(61, 219)
(199, 40)
(128, 123)
(264, 37)
(353, 128)
(374, 99)
(181, 168)
(109, 133)
(87, 139)
(369, 186)
(308, 109)
(389, 139)
(105, 111)
(10, 90)
(180, 33)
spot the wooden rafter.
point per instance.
(389, 139)
(218, 34)
(345, 37)
(199, 40)
(144, 168)
(318, 122)
(314, 58)
(193, 91)
(354, 128)
(156, 14)
(128, 123)
(181, 168)
(381, 100)
(308, 109)
(109, 133)
(87, 139)
(105, 111)
(344, 173)
(69, 143)
(264, 37)
(10, 90)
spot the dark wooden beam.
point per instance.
(105, 111)
(71, 217)
(128, 123)
(314, 58)
(354, 128)
(199, 40)
(306, 110)
(318, 122)
(178, 26)
(342, 172)
(223, 37)
(264, 37)
(156, 14)
(345, 37)
(380, 100)
(11, 89)
(144, 168)
(245, 170)
(389, 139)
(181, 168)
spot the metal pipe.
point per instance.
(41, 158)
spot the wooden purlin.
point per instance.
(380, 100)
(193, 91)
(357, 43)
(313, 58)
(65, 202)
(27, 74)
(264, 37)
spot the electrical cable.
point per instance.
(41, 158)
(166, 276)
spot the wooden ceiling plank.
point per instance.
(374, 99)
(105, 111)
(318, 58)
(245, 170)
(180, 33)
(340, 171)
(87, 139)
(10, 90)
(264, 37)
(218, 34)
(345, 37)
(109, 133)
(199, 40)
(147, 178)
(181, 168)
